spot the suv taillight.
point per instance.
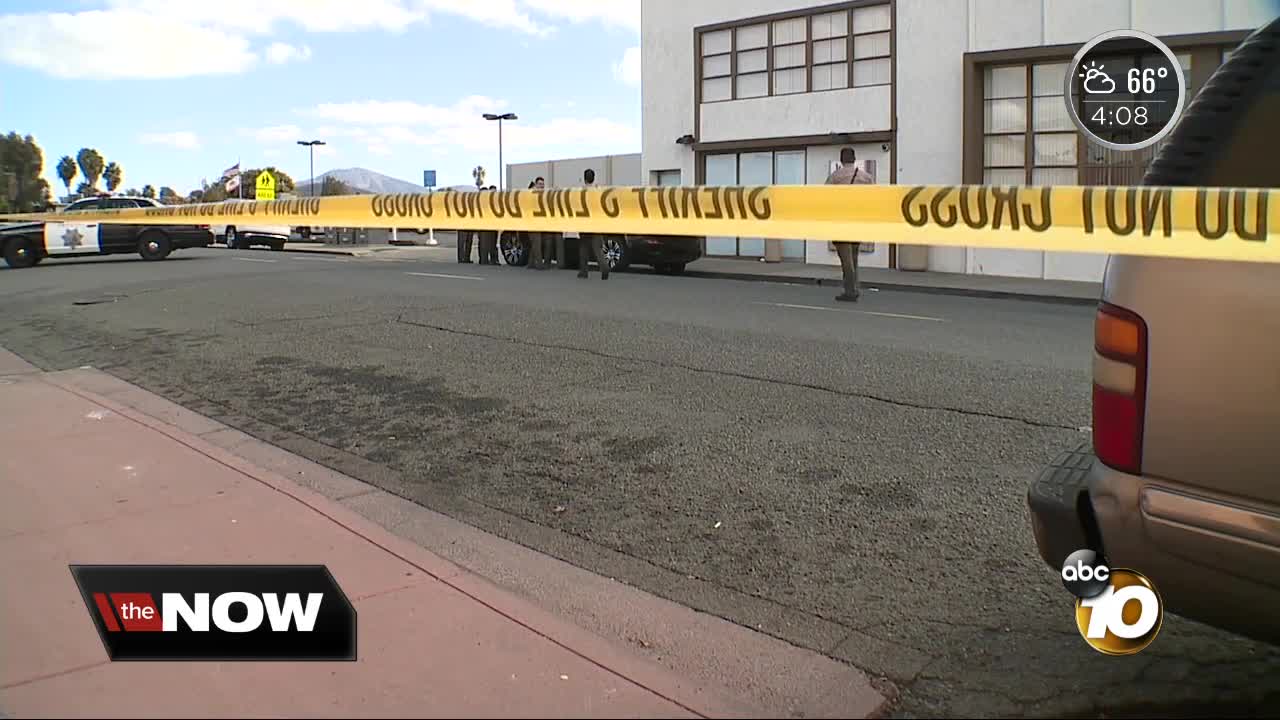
(1119, 387)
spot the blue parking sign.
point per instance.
(428, 178)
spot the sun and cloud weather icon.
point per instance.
(1096, 82)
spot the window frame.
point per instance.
(807, 66)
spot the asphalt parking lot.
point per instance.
(850, 479)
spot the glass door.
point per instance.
(788, 169)
(754, 169)
(722, 170)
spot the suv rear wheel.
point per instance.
(154, 245)
(21, 252)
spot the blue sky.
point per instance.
(176, 90)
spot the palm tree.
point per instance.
(114, 175)
(67, 171)
(90, 162)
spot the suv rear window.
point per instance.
(90, 204)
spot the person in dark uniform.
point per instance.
(489, 239)
(537, 242)
(591, 243)
(465, 238)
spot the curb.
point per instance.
(897, 287)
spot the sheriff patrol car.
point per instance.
(26, 244)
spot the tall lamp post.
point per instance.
(502, 169)
(311, 145)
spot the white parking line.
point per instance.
(253, 259)
(320, 259)
(860, 312)
(442, 275)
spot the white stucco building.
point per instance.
(610, 170)
(926, 91)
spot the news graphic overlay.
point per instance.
(218, 612)
(1118, 610)
(1125, 90)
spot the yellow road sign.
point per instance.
(265, 186)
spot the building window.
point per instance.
(804, 52)
(782, 167)
(1028, 136)
(666, 178)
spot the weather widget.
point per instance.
(1125, 90)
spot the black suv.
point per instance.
(26, 244)
(667, 255)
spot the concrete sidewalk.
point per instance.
(1063, 291)
(89, 479)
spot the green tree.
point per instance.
(169, 197)
(334, 186)
(148, 191)
(91, 165)
(67, 171)
(216, 192)
(131, 192)
(196, 196)
(21, 164)
(83, 189)
(114, 175)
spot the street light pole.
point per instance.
(502, 169)
(311, 146)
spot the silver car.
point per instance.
(1182, 479)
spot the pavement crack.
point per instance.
(747, 376)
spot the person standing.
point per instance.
(465, 238)
(591, 243)
(848, 173)
(489, 239)
(535, 240)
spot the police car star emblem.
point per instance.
(71, 238)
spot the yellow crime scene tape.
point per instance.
(1197, 223)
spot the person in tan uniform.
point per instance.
(849, 173)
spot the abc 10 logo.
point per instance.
(1118, 610)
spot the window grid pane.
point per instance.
(1049, 113)
(1055, 176)
(871, 46)
(788, 56)
(715, 66)
(714, 43)
(786, 82)
(752, 61)
(1004, 151)
(753, 85)
(826, 51)
(715, 89)
(753, 36)
(830, 25)
(1047, 79)
(872, 72)
(1003, 116)
(1055, 149)
(789, 31)
(831, 76)
(1004, 176)
(871, 19)
(1005, 82)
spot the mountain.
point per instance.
(364, 181)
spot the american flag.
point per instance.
(229, 172)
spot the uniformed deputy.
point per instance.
(465, 238)
(591, 243)
(536, 241)
(489, 241)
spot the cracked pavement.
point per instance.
(850, 482)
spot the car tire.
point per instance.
(154, 245)
(669, 268)
(232, 240)
(618, 253)
(514, 249)
(21, 252)
(277, 245)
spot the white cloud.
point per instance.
(279, 53)
(379, 148)
(273, 134)
(166, 39)
(117, 44)
(380, 112)
(182, 139)
(627, 70)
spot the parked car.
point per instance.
(666, 254)
(1181, 481)
(242, 235)
(26, 244)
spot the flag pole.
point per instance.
(239, 183)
